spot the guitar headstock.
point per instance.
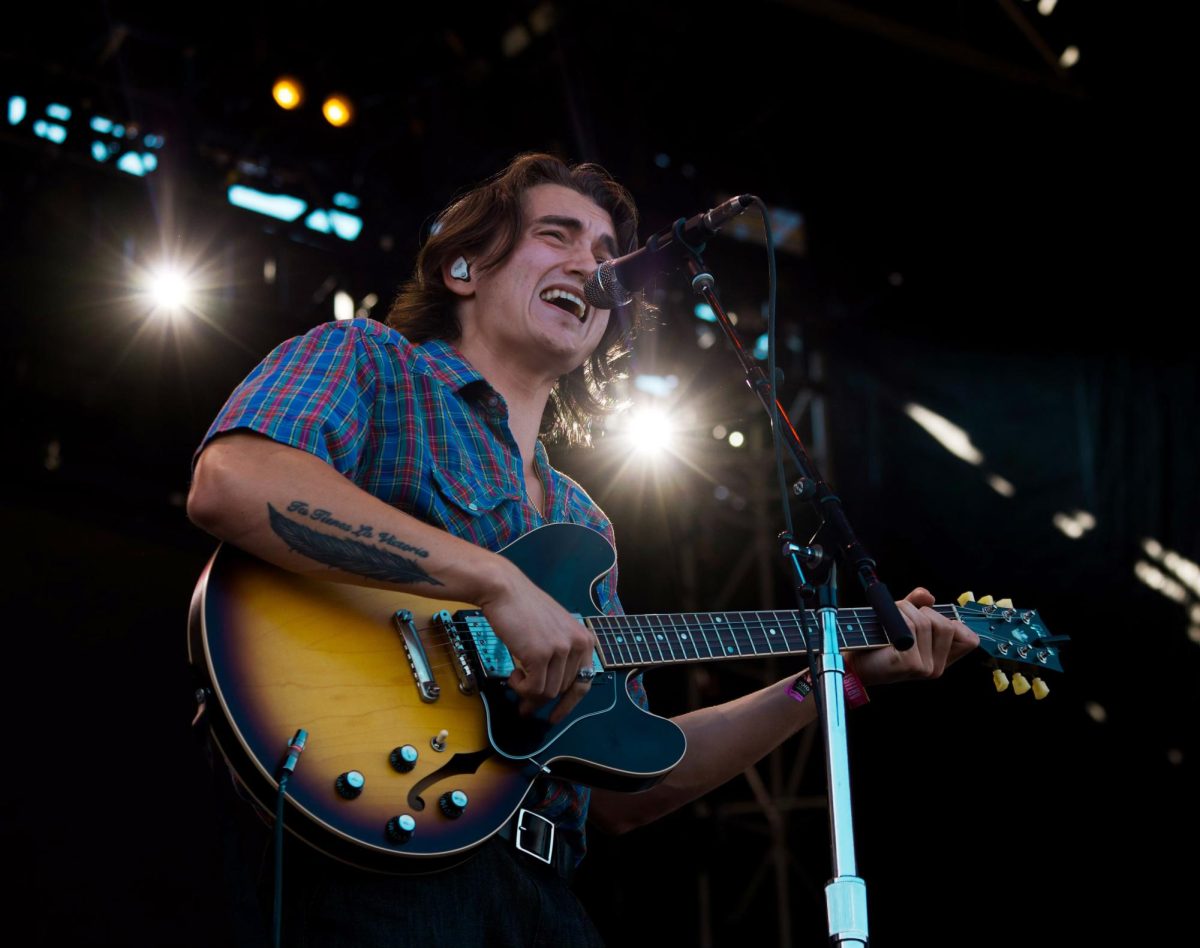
(1013, 638)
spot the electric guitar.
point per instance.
(415, 751)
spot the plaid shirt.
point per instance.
(420, 428)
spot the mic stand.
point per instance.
(846, 893)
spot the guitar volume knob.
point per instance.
(403, 758)
(349, 785)
(400, 828)
(452, 803)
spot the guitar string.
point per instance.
(752, 630)
(488, 639)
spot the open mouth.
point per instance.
(567, 301)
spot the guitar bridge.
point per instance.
(418, 661)
(468, 681)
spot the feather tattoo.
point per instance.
(361, 559)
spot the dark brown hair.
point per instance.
(490, 216)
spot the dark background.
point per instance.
(985, 233)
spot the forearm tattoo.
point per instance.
(350, 555)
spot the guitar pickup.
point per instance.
(468, 681)
(418, 661)
(494, 659)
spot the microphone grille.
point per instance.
(603, 290)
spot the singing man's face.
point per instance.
(564, 236)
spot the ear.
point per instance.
(457, 277)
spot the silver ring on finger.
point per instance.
(586, 674)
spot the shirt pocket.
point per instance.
(475, 507)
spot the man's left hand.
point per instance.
(940, 642)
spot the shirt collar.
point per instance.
(448, 364)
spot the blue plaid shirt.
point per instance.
(420, 428)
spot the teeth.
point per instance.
(577, 304)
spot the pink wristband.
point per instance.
(853, 689)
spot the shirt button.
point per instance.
(493, 401)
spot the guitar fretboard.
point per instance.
(629, 641)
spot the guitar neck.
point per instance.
(662, 639)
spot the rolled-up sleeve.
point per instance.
(315, 392)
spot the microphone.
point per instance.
(614, 282)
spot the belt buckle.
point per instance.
(519, 840)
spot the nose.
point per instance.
(581, 262)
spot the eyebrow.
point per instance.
(576, 227)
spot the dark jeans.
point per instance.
(499, 898)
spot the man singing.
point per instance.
(427, 431)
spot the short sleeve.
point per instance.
(315, 392)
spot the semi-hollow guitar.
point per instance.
(415, 752)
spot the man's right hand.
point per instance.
(548, 645)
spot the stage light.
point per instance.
(365, 305)
(1186, 570)
(50, 130)
(343, 305)
(1096, 711)
(705, 337)
(101, 124)
(17, 108)
(169, 289)
(1075, 524)
(337, 111)
(1159, 581)
(287, 93)
(719, 432)
(661, 386)
(736, 439)
(1069, 57)
(346, 226)
(1068, 526)
(1046, 7)
(650, 431)
(1001, 486)
(760, 348)
(945, 432)
(281, 206)
(318, 220)
(131, 163)
(348, 201)
(705, 312)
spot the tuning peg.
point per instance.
(1039, 689)
(1004, 604)
(1000, 680)
(986, 601)
(1020, 684)
(965, 598)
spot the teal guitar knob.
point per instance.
(349, 785)
(403, 759)
(452, 803)
(400, 828)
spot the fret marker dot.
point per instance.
(683, 635)
(772, 631)
(620, 638)
(637, 638)
(729, 649)
(719, 619)
(659, 637)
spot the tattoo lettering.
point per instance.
(392, 540)
(364, 530)
(361, 559)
